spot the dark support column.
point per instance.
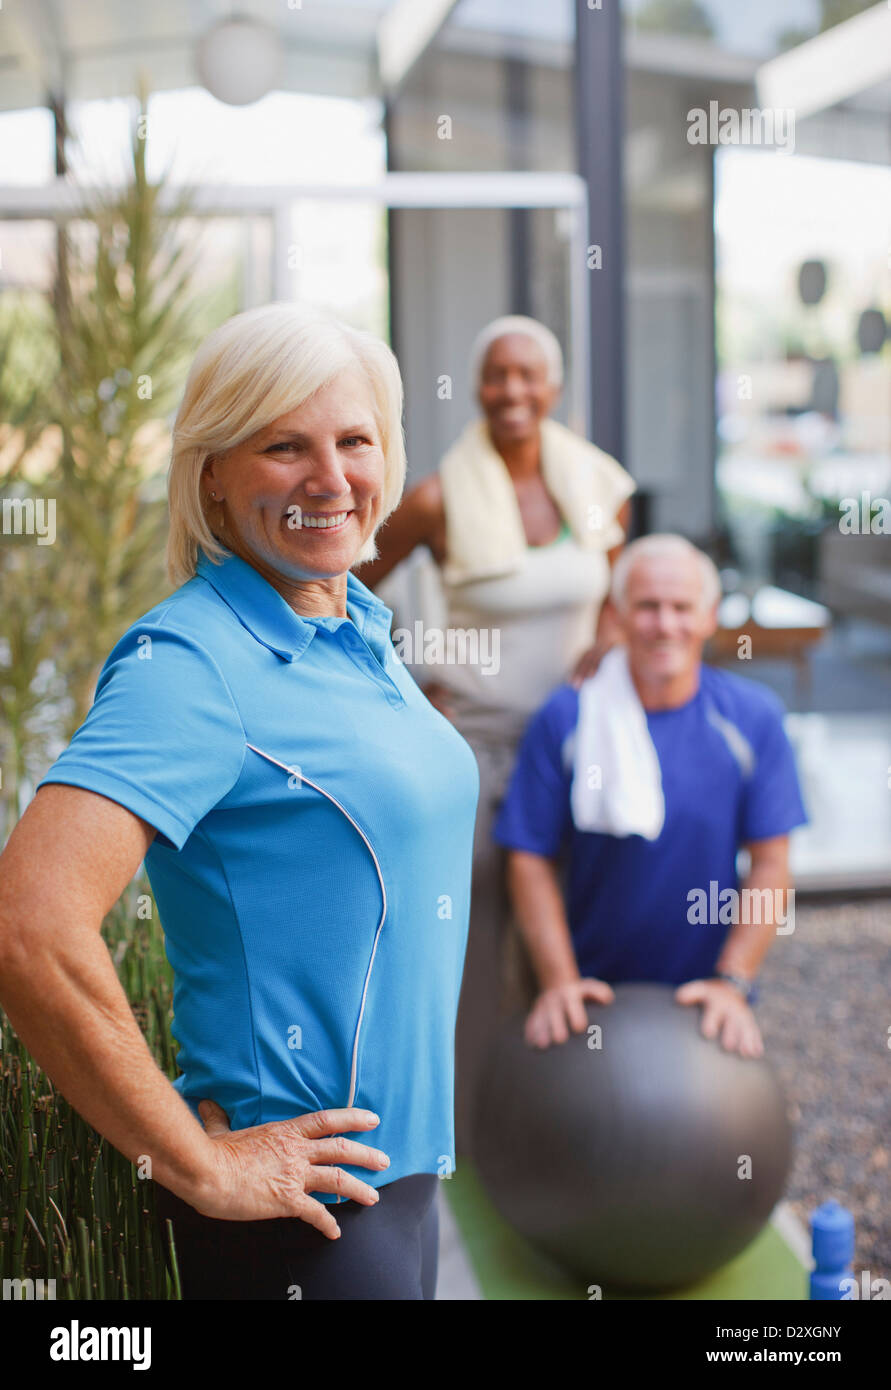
(392, 231)
(599, 103)
(517, 102)
(56, 103)
(713, 355)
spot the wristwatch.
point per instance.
(746, 987)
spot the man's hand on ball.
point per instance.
(725, 1013)
(561, 1008)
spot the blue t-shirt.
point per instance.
(312, 865)
(728, 777)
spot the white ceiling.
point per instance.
(96, 48)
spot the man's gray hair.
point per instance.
(530, 328)
(658, 545)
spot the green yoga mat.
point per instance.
(508, 1268)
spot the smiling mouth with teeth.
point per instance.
(322, 521)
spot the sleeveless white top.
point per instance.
(532, 624)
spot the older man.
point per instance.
(643, 784)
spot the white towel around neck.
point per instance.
(613, 747)
(484, 528)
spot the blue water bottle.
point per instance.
(832, 1230)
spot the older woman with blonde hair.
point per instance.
(523, 519)
(306, 819)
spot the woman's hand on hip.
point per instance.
(269, 1170)
(561, 1008)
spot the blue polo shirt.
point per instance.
(312, 861)
(728, 778)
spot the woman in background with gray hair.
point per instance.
(523, 519)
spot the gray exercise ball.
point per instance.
(626, 1163)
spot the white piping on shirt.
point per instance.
(294, 773)
(739, 746)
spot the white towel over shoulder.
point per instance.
(617, 780)
(485, 537)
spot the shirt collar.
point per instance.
(270, 618)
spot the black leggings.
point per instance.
(388, 1251)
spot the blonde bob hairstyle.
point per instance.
(250, 371)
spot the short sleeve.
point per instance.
(772, 803)
(614, 485)
(536, 813)
(163, 737)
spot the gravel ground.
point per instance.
(825, 1012)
